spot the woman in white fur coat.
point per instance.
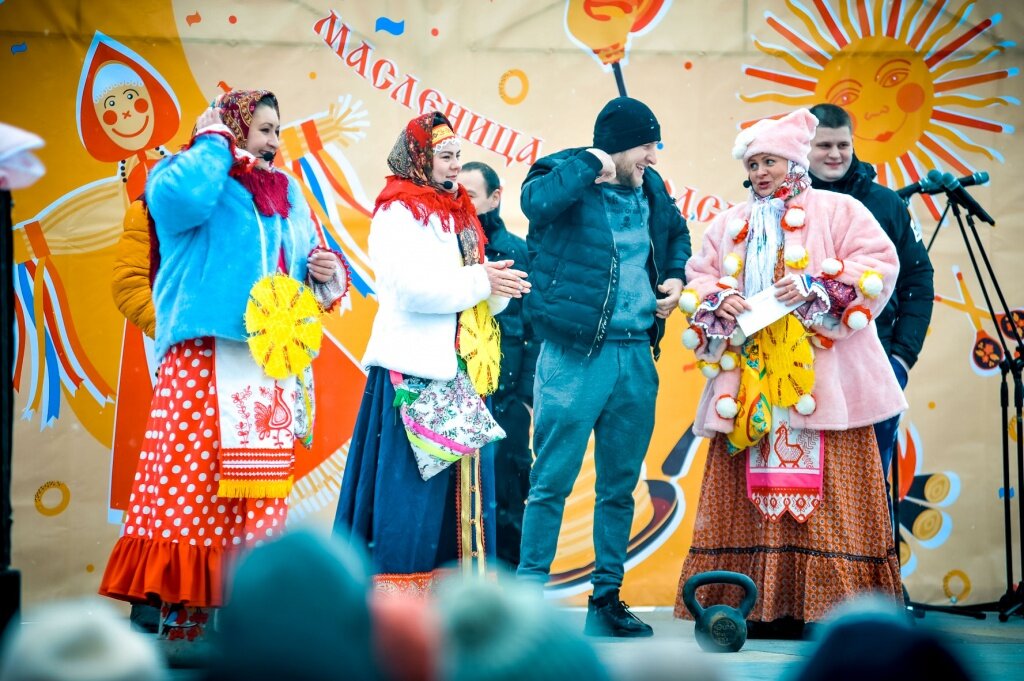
(410, 513)
(793, 494)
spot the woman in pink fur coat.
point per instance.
(793, 494)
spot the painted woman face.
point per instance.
(126, 115)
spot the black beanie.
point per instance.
(625, 123)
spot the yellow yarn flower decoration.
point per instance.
(282, 319)
(788, 358)
(480, 347)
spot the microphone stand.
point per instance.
(1012, 600)
(938, 225)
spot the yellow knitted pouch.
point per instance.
(282, 319)
(788, 358)
(480, 347)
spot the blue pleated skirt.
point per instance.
(407, 525)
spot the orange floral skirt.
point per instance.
(801, 570)
(179, 536)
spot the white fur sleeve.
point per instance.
(420, 268)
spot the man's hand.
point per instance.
(673, 288)
(607, 165)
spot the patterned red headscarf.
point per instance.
(237, 109)
(412, 160)
(269, 189)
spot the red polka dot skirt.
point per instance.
(179, 536)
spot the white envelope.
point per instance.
(765, 308)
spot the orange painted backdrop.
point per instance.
(931, 84)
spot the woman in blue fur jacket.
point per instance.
(215, 466)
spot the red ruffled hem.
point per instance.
(141, 570)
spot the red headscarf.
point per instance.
(412, 160)
(269, 188)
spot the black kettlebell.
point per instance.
(720, 628)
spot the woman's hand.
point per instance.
(322, 265)
(730, 307)
(505, 281)
(789, 293)
(209, 117)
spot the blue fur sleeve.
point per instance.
(183, 190)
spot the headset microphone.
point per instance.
(268, 156)
(747, 184)
(448, 184)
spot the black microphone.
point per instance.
(929, 184)
(955, 191)
(268, 156)
(980, 177)
(747, 184)
(932, 184)
(448, 184)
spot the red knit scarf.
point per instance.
(269, 190)
(453, 210)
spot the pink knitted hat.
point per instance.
(789, 137)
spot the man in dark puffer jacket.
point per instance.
(608, 248)
(903, 324)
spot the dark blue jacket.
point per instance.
(903, 323)
(574, 264)
(518, 346)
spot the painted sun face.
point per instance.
(126, 115)
(887, 90)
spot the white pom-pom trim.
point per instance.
(831, 266)
(729, 282)
(709, 369)
(737, 337)
(796, 256)
(732, 264)
(727, 407)
(856, 320)
(871, 284)
(735, 226)
(806, 405)
(691, 339)
(729, 361)
(795, 217)
(688, 301)
(743, 141)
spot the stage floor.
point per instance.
(990, 648)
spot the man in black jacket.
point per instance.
(903, 323)
(512, 402)
(608, 248)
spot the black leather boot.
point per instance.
(608, 616)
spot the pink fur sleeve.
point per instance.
(867, 260)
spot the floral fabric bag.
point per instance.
(444, 420)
